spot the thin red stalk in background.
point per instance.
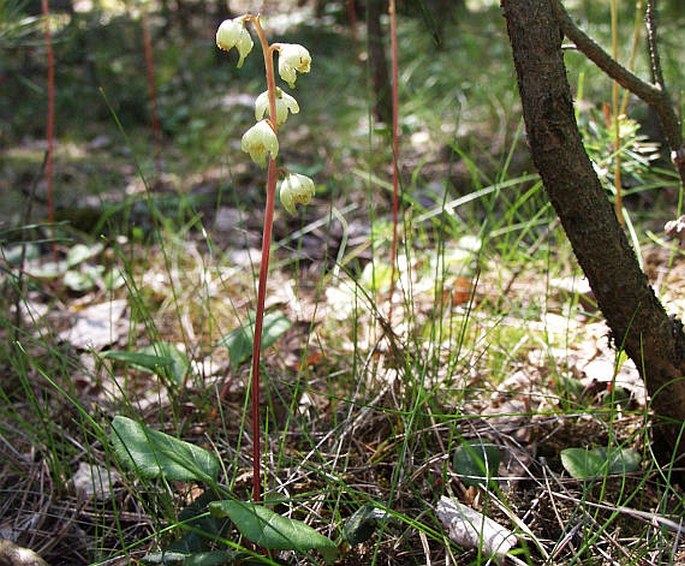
(395, 148)
(271, 178)
(352, 19)
(152, 94)
(50, 129)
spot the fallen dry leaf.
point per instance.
(471, 529)
(94, 481)
(97, 326)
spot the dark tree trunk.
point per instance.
(638, 321)
(382, 104)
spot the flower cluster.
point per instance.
(261, 140)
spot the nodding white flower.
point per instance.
(232, 33)
(284, 104)
(296, 189)
(259, 141)
(292, 58)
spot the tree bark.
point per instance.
(638, 321)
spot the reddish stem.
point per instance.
(395, 147)
(152, 94)
(259, 320)
(50, 134)
(271, 178)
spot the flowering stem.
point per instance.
(258, 141)
(271, 178)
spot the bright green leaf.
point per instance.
(178, 363)
(160, 358)
(113, 279)
(476, 462)
(377, 276)
(239, 341)
(581, 463)
(273, 531)
(137, 359)
(153, 454)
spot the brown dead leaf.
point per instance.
(460, 290)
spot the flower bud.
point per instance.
(232, 33)
(284, 104)
(259, 141)
(296, 189)
(292, 58)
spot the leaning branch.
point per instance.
(655, 96)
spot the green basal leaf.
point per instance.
(477, 462)
(584, 464)
(161, 358)
(239, 341)
(153, 454)
(272, 531)
(176, 361)
(138, 359)
(363, 523)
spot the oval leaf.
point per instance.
(273, 531)
(476, 462)
(153, 454)
(175, 364)
(584, 464)
(140, 360)
(362, 524)
(161, 358)
(239, 341)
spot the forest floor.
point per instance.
(137, 303)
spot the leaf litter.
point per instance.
(519, 410)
